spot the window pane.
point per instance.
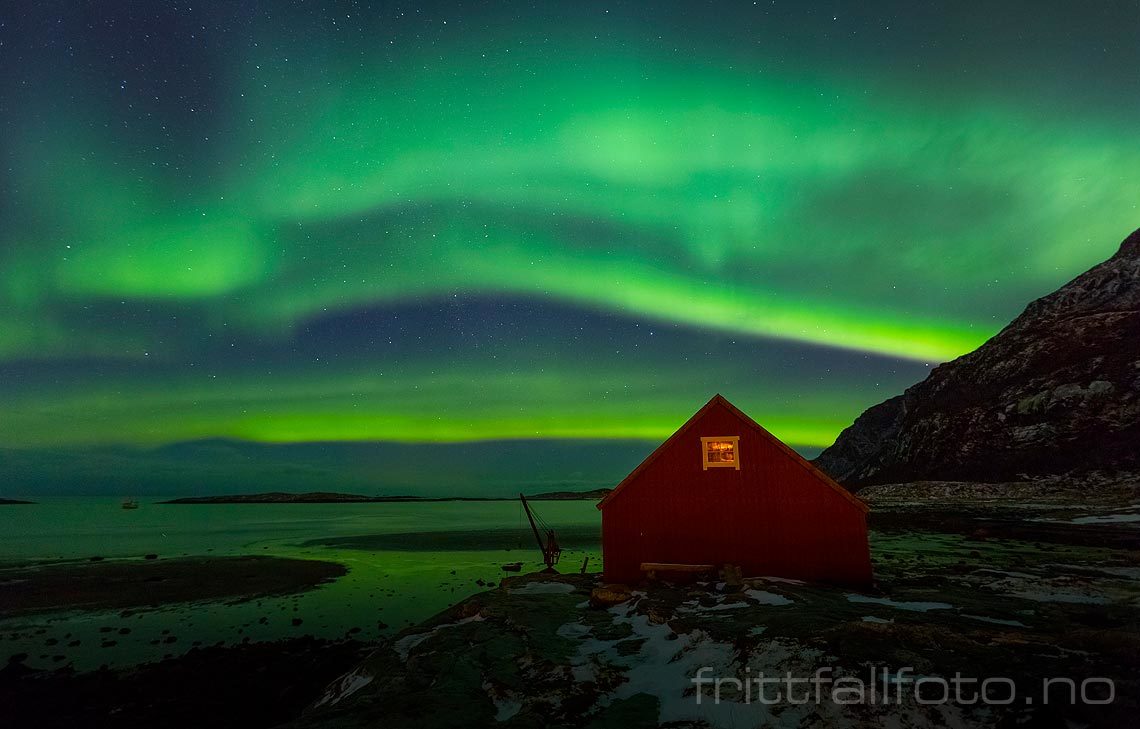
(721, 451)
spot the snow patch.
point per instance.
(762, 597)
(573, 630)
(767, 598)
(344, 687)
(405, 645)
(505, 707)
(542, 588)
(662, 668)
(1073, 598)
(996, 621)
(1107, 519)
(724, 606)
(1008, 573)
(918, 607)
(785, 580)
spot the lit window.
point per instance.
(722, 451)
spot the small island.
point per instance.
(332, 497)
(13, 502)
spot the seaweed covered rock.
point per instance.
(609, 595)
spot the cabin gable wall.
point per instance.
(771, 517)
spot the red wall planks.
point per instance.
(775, 516)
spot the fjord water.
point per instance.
(406, 561)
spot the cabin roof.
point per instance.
(719, 399)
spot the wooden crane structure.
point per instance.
(550, 549)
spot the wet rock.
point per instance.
(469, 609)
(733, 578)
(658, 616)
(1100, 387)
(609, 595)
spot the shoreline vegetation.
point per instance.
(328, 497)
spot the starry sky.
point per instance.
(447, 222)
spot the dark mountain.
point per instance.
(333, 497)
(497, 469)
(1057, 391)
(592, 495)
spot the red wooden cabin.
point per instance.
(722, 490)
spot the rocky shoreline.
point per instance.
(1024, 601)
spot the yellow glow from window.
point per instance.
(719, 451)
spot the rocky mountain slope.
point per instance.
(1056, 391)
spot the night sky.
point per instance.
(324, 221)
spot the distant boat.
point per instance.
(130, 504)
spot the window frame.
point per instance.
(706, 464)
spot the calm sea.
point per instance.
(406, 562)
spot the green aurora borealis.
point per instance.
(444, 223)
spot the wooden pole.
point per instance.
(533, 526)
